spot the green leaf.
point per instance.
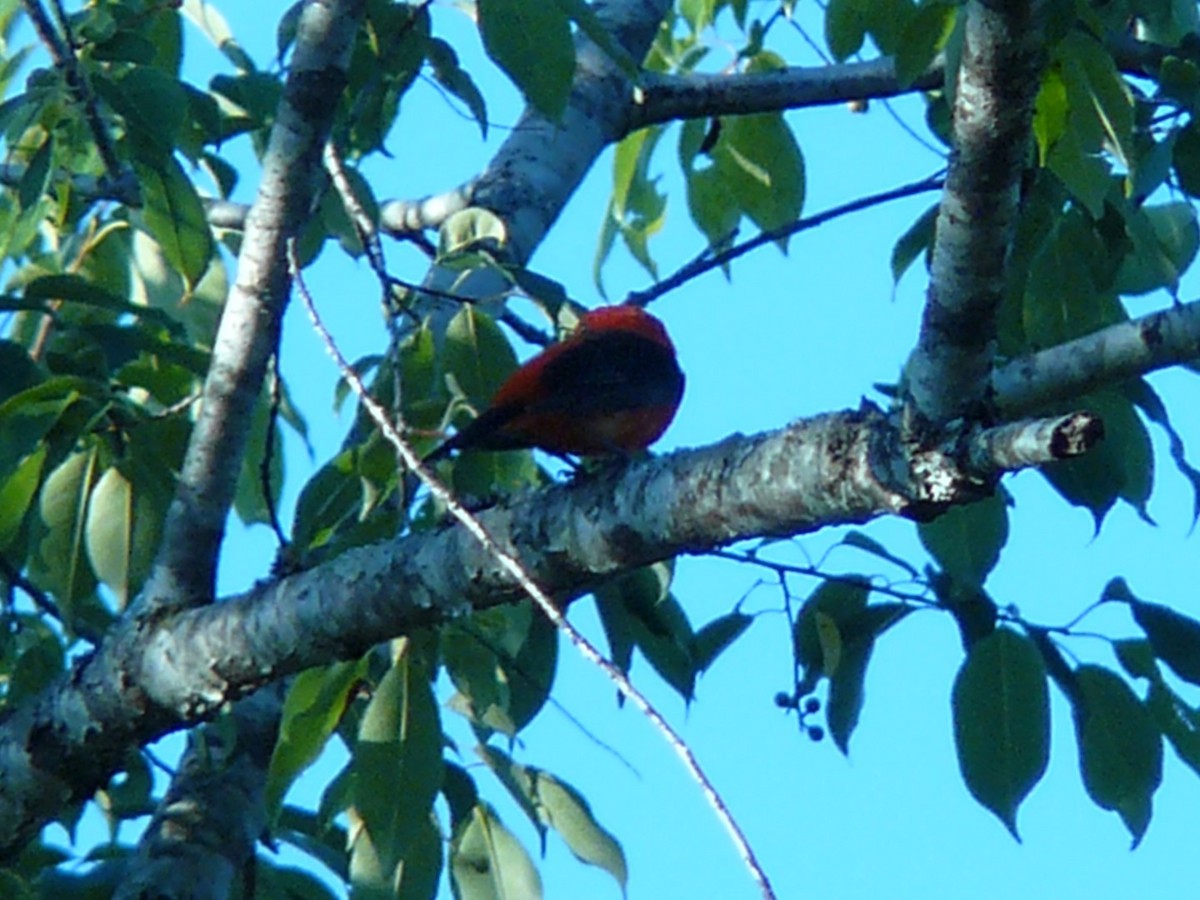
(1087, 175)
(638, 605)
(154, 106)
(1179, 723)
(716, 637)
(477, 354)
(532, 43)
(846, 683)
(1165, 240)
(17, 493)
(59, 563)
(868, 544)
(761, 163)
(916, 241)
(469, 230)
(598, 33)
(488, 863)
(450, 75)
(1151, 405)
(1002, 722)
(502, 661)
(397, 772)
(638, 206)
(331, 497)
(711, 204)
(817, 635)
(312, 710)
(1174, 637)
(1186, 155)
(1121, 467)
(1100, 100)
(1050, 113)
(34, 661)
(551, 802)
(845, 28)
(966, 540)
(174, 217)
(1120, 749)
(922, 38)
(36, 179)
(124, 520)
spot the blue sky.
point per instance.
(787, 337)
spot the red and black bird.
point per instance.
(611, 387)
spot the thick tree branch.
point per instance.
(149, 678)
(534, 173)
(206, 827)
(947, 374)
(249, 329)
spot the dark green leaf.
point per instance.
(17, 493)
(966, 540)
(858, 634)
(868, 544)
(154, 106)
(845, 28)
(1122, 466)
(36, 179)
(1187, 158)
(639, 606)
(714, 638)
(398, 755)
(1174, 637)
(1147, 400)
(916, 241)
(1165, 240)
(1120, 748)
(532, 43)
(502, 661)
(1002, 722)
(923, 37)
(456, 80)
(175, 218)
(478, 355)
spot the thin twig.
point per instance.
(63, 57)
(40, 598)
(707, 262)
(517, 571)
(274, 384)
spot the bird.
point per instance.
(611, 388)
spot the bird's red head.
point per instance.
(626, 318)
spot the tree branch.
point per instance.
(206, 827)
(947, 374)
(249, 329)
(1125, 350)
(668, 98)
(151, 677)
